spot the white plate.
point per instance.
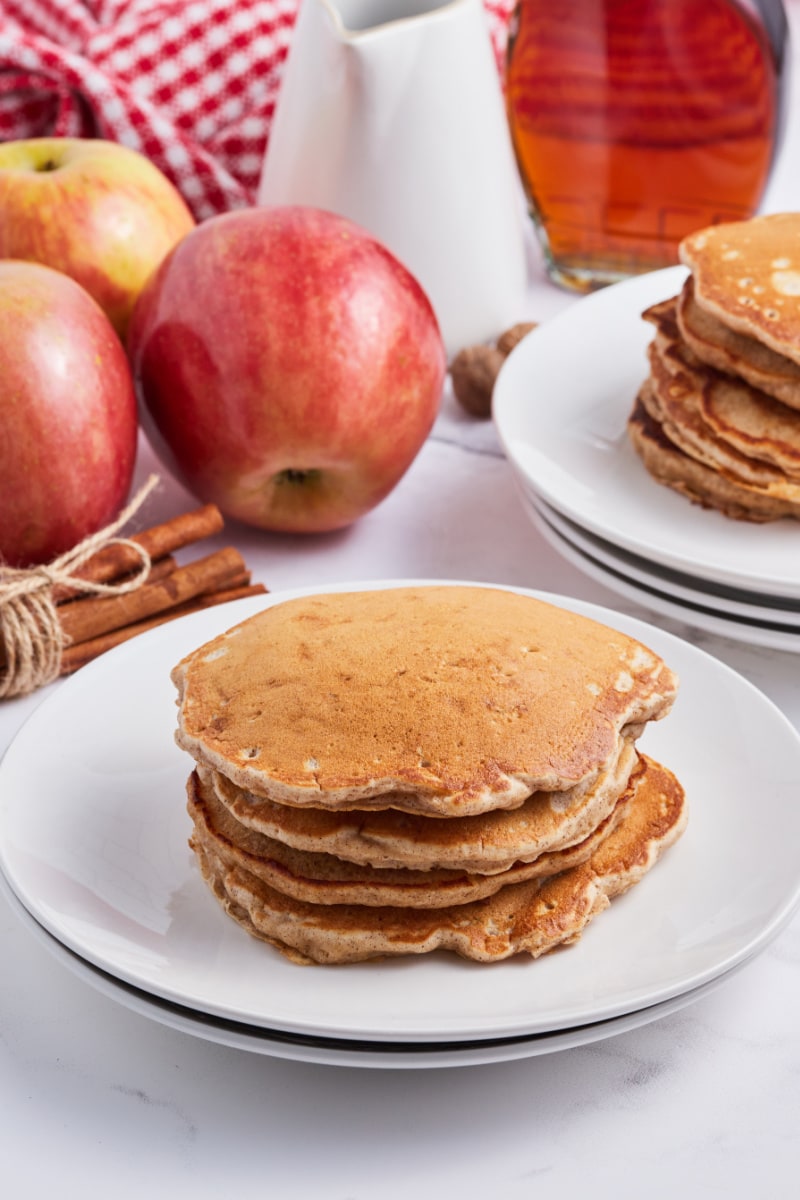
(735, 602)
(93, 842)
(617, 579)
(560, 405)
(329, 1052)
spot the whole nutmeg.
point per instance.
(511, 337)
(474, 370)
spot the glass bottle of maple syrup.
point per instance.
(635, 122)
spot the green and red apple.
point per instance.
(288, 367)
(96, 210)
(68, 422)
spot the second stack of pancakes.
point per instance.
(718, 418)
(395, 771)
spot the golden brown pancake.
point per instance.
(484, 843)
(713, 438)
(532, 917)
(664, 316)
(755, 424)
(734, 353)
(446, 700)
(747, 275)
(703, 485)
(321, 878)
(722, 423)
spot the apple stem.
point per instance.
(293, 475)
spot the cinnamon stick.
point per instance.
(89, 618)
(160, 568)
(211, 599)
(78, 655)
(117, 560)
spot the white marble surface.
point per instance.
(96, 1101)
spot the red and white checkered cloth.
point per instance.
(190, 83)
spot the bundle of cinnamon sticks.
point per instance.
(93, 624)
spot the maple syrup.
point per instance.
(635, 122)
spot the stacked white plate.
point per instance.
(94, 859)
(560, 406)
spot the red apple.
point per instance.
(67, 415)
(95, 210)
(288, 367)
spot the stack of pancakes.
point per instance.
(718, 418)
(390, 772)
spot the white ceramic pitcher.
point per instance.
(391, 113)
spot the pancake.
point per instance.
(701, 484)
(484, 843)
(754, 423)
(719, 421)
(736, 354)
(664, 316)
(446, 700)
(531, 917)
(747, 275)
(321, 878)
(705, 411)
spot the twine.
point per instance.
(30, 631)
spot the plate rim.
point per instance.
(662, 577)
(397, 1055)
(785, 639)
